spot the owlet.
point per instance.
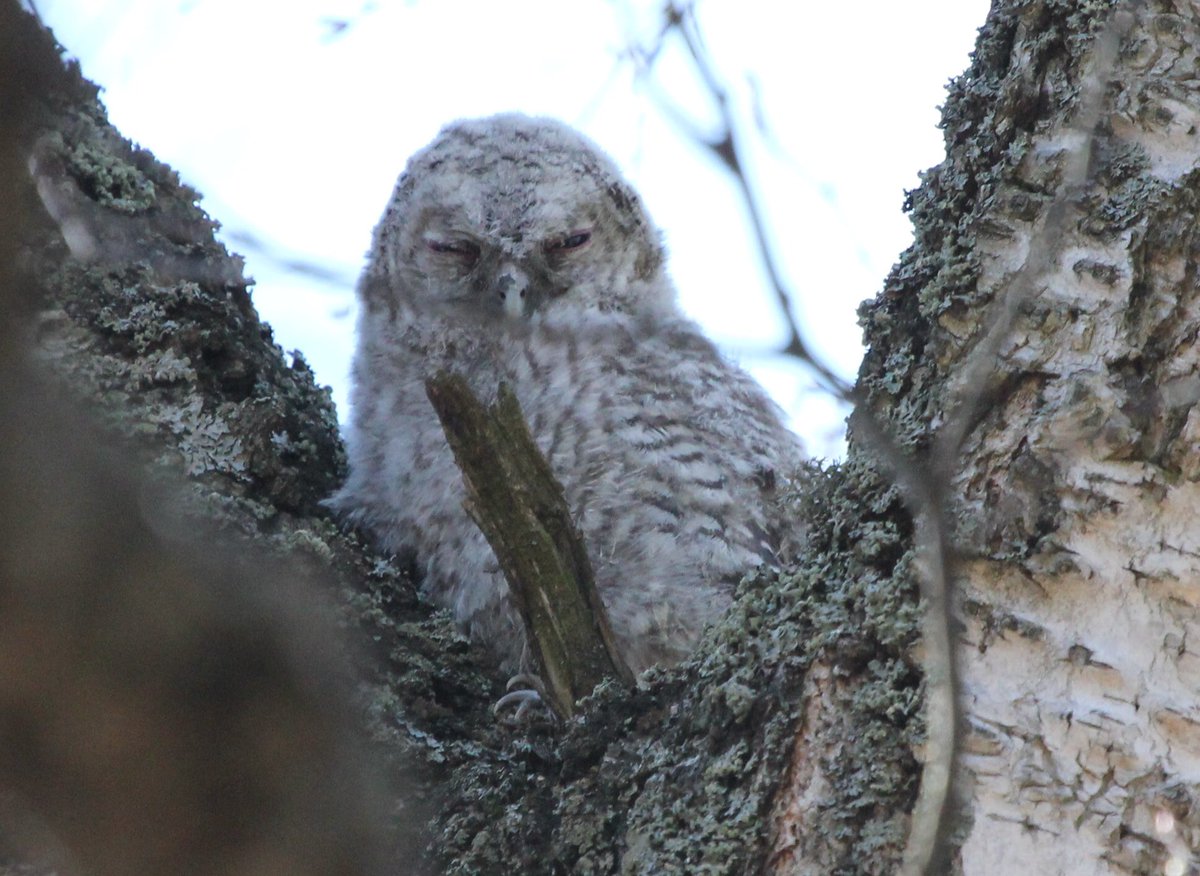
(512, 250)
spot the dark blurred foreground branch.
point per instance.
(516, 501)
(160, 711)
(165, 707)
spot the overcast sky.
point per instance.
(294, 120)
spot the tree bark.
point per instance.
(793, 741)
(1077, 579)
(174, 690)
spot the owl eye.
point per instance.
(576, 240)
(463, 249)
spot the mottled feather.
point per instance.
(513, 250)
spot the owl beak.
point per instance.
(512, 288)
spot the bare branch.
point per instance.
(516, 501)
(724, 145)
(268, 252)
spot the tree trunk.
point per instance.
(1079, 585)
(792, 742)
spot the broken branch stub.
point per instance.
(514, 498)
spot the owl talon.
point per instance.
(524, 692)
(525, 681)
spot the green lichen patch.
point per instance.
(177, 357)
(102, 173)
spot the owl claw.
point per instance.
(525, 681)
(524, 692)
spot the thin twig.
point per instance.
(930, 847)
(725, 147)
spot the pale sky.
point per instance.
(294, 131)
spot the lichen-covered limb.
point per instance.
(165, 707)
(519, 505)
(157, 339)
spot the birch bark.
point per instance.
(1079, 573)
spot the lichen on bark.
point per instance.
(685, 774)
(1070, 485)
(153, 333)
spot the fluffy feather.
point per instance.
(513, 250)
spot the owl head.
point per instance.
(517, 219)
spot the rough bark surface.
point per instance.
(162, 709)
(1077, 488)
(154, 337)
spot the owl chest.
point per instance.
(616, 419)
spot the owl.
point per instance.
(513, 251)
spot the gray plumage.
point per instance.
(513, 250)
